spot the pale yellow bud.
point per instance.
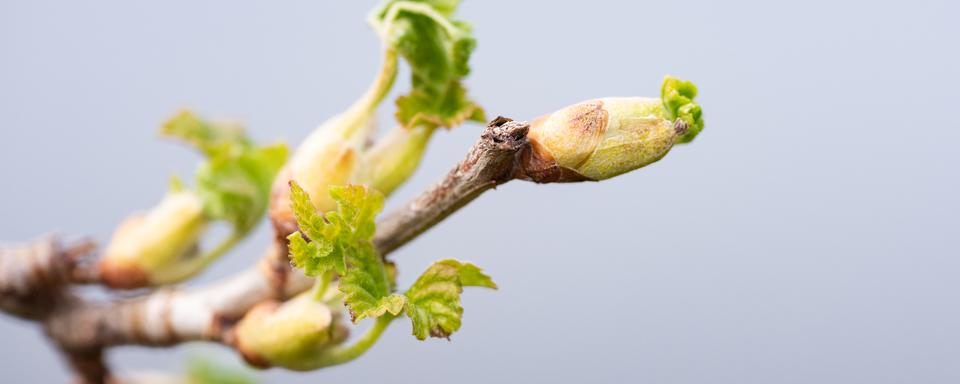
(599, 139)
(288, 334)
(395, 157)
(329, 156)
(145, 245)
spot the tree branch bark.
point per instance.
(492, 161)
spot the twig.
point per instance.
(84, 328)
(493, 160)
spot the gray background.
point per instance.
(807, 236)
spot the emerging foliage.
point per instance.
(341, 242)
(333, 236)
(677, 98)
(433, 302)
(438, 49)
(235, 181)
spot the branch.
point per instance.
(83, 328)
(32, 274)
(171, 316)
(492, 161)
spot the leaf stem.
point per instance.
(197, 264)
(343, 354)
(321, 285)
(380, 86)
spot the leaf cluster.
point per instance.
(438, 49)
(340, 242)
(234, 182)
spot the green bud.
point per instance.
(288, 334)
(145, 245)
(329, 156)
(394, 158)
(677, 98)
(602, 138)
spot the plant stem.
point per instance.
(321, 285)
(343, 354)
(379, 88)
(197, 264)
(492, 161)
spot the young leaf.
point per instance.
(344, 245)
(309, 220)
(357, 208)
(235, 181)
(208, 138)
(678, 98)
(437, 49)
(366, 285)
(315, 257)
(433, 302)
(320, 254)
(236, 185)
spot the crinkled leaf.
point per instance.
(357, 208)
(438, 50)
(309, 220)
(236, 186)
(433, 302)
(338, 234)
(366, 285)
(341, 241)
(448, 108)
(234, 182)
(678, 98)
(315, 257)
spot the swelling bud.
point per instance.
(602, 138)
(144, 247)
(289, 334)
(394, 158)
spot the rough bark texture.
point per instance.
(490, 162)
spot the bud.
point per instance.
(602, 138)
(678, 101)
(288, 334)
(329, 156)
(145, 245)
(394, 158)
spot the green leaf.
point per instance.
(472, 276)
(678, 98)
(341, 241)
(235, 181)
(324, 252)
(315, 257)
(433, 302)
(357, 208)
(343, 231)
(366, 285)
(208, 138)
(438, 50)
(235, 186)
(310, 221)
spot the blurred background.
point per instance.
(808, 235)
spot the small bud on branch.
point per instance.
(602, 138)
